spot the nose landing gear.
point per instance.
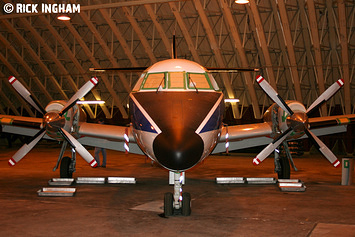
(178, 203)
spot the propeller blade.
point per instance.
(79, 148)
(323, 148)
(26, 147)
(26, 95)
(326, 95)
(271, 147)
(273, 94)
(79, 94)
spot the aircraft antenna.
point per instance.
(174, 54)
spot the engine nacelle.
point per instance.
(69, 122)
(280, 119)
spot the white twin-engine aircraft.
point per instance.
(176, 111)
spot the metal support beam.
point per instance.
(53, 57)
(263, 43)
(96, 64)
(20, 59)
(34, 56)
(7, 101)
(10, 88)
(140, 34)
(106, 50)
(75, 62)
(159, 28)
(119, 37)
(344, 54)
(317, 49)
(219, 58)
(290, 49)
(241, 51)
(185, 32)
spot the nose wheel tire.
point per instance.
(285, 171)
(65, 168)
(186, 204)
(169, 209)
(168, 204)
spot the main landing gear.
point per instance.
(282, 162)
(178, 203)
(67, 164)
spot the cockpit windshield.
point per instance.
(177, 81)
(198, 81)
(154, 80)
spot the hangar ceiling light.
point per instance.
(90, 102)
(241, 1)
(63, 17)
(231, 100)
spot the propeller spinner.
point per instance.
(53, 121)
(298, 121)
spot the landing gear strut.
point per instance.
(179, 202)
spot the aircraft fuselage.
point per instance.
(178, 128)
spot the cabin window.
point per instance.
(199, 81)
(154, 80)
(176, 80)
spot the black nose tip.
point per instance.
(178, 149)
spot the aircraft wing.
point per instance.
(26, 126)
(108, 136)
(244, 136)
(252, 135)
(91, 134)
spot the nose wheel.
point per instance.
(178, 203)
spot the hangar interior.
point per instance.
(300, 47)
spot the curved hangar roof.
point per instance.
(301, 47)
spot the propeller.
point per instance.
(53, 121)
(298, 121)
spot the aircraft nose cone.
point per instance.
(179, 149)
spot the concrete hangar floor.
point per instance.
(325, 209)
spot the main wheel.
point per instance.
(285, 172)
(186, 204)
(64, 168)
(168, 204)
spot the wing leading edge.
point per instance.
(91, 134)
(258, 134)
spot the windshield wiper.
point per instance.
(193, 83)
(160, 84)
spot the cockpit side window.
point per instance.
(213, 82)
(154, 80)
(139, 82)
(177, 80)
(199, 81)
